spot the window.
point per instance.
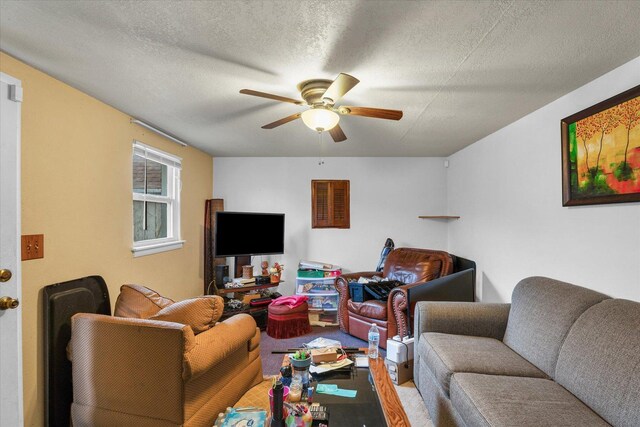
(156, 200)
(330, 204)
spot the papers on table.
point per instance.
(362, 361)
(323, 342)
(326, 367)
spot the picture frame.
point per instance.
(601, 152)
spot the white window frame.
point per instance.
(172, 199)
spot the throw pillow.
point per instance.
(201, 313)
(139, 302)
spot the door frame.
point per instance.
(11, 402)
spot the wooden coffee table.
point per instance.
(376, 395)
(391, 406)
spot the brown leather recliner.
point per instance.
(411, 266)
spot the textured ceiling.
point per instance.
(458, 70)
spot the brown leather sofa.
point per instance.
(415, 268)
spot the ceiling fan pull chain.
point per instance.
(320, 159)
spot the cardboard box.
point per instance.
(324, 355)
(399, 373)
(246, 298)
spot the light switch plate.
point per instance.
(32, 246)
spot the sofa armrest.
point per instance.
(397, 310)
(342, 287)
(461, 318)
(215, 345)
(110, 353)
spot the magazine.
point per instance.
(315, 265)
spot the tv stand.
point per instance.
(243, 289)
(258, 313)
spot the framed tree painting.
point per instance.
(601, 152)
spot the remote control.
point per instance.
(320, 415)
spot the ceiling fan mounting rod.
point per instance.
(312, 91)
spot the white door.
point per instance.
(10, 278)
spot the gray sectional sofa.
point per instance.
(558, 355)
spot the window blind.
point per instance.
(150, 153)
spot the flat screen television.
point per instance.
(248, 233)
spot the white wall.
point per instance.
(508, 189)
(387, 195)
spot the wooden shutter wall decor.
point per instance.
(330, 204)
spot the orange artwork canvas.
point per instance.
(601, 152)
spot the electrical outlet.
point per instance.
(32, 246)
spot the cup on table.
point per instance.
(285, 395)
(295, 392)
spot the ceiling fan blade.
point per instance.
(340, 86)
(271, 96)
(337, 134)
(282, 121)
(376, 113)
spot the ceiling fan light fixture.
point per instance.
(320, 119)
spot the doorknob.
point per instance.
(7, 303)
(5, 275)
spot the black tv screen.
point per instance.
(248, 233)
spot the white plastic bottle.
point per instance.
(374, 339)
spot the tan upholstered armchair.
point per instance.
(415, 268)
(142, 372)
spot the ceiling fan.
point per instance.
(323, 115)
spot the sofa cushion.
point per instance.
(201, 313)
(600, 361)
(373, 309)
(139, 302)
(447, 354)
(542, 312)
(496, 400)
(410, 265)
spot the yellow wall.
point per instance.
(76, 190)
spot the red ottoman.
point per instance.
(285, 322)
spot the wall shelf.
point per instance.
(439, 217)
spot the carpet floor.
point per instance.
(407, 392)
